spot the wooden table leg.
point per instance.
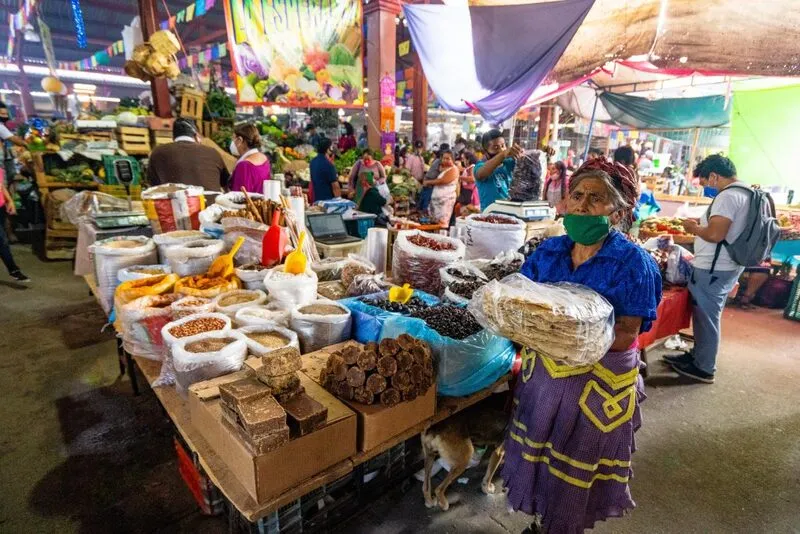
(131, 366)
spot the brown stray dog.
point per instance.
(454, 439)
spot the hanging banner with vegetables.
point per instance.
(296, 52)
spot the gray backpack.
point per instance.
(761, 231)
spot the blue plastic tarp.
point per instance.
(368, 320)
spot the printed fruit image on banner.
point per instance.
(296, 52)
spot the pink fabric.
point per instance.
(250, 176)
(2, 185)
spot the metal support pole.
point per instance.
(591, 126)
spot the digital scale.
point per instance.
(532, 210)
(120, 219)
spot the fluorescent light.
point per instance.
(85, 76)
(88, 98)
(84, 87)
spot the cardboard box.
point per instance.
(376, 422)
(269, 475)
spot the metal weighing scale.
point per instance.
(121, 219)
(532, 210)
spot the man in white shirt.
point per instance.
(712, 280)
(5, 133)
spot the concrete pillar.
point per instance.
(381, 47)
(148, 13)
(419, 95)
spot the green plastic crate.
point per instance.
(111, 173)
(792, 310)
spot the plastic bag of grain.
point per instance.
(232, 301)
(137, 272)
(207, 356)
(142, 321)
(253, 233)
(194, 257)
(320, 323)
(252, 275)
(263, 339)
(291, 289)
(487, 235)
(200, 285)
(115, 253)
(177, 237)
(272, 313)
(133, 289)
(187, 329)
(188, 305)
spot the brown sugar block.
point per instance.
(262, 416)
(388, 347)
(233, 394)
(391, 397)
(376, 383)
(404, 361)
(281, 362)
(410, 394)
(356, 376)
(289, 395)
(325, 378)
(344, 390)
(337, 368)
(417, 373)
(304, 414)
(367, 360)
(387, 366)
(371, 347)
(350, 354)
(261, 444)
(402, 381)
(282, 383)
(363, 395)
(419, 354)
(406, 342)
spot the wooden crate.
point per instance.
(134, 140)
(159, 123)
(208, 128)
(192, 103)
(118, 191)
(161, 137)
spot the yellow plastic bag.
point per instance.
(133, 289)
(202, 286)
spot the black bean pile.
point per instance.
(414, 305)
(463, 276)
(450, 321)
(501, 270)
(465, 289)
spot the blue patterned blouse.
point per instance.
(624, 273)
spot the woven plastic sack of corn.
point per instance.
(569, 323)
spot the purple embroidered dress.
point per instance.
(568, 452)
(251, 176)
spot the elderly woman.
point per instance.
(568, 453)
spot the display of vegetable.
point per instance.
(402, 184)
(346, 161)
(220, 104)
(82, 173)
(222, 137)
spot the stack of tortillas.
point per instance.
(567, 322)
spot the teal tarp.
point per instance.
(638, 112)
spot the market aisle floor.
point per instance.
(79, 453)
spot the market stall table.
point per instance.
(674, 314)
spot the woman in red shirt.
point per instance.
(348, 139)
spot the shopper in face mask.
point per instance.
(347, 137)
(253, 168)
(5, 133)
(186, 161)
(566, 407)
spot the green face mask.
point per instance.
(586, 229)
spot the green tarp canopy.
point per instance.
(675, 113)
(765, 136)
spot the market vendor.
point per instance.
(372, 201)
(366, 165)
(568, 453)
(253, 168)
(5, 133)
(186, 161)
(493, 175)
(324, 179)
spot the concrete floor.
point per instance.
(79, 453)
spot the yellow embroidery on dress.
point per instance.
(613, 403)
(558, 370)
(586, 484)
(566, 459)
(528, 364)
(615, 381)
(521, 426)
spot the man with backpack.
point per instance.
(738, 230)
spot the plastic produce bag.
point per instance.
(463, 366)
(252, 276)
(526, 181)
(354, 266)
(487, 235)
(142, 321)
(232, 301)
(460, 271)
(211, 287)
(272, 313)
(192, 367)
(368, 320)
(253, 233)
(194, 257)
(115, 253)
(177, 237)
(367, 284)
(186, 306)
(418, 265)
(85, 205)
(133, 289)
(567, 322)
(679, 265)
(319, 330)
(291, 289)
(258, 349)
(329, 269)
(167, 376)
(137, 272)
